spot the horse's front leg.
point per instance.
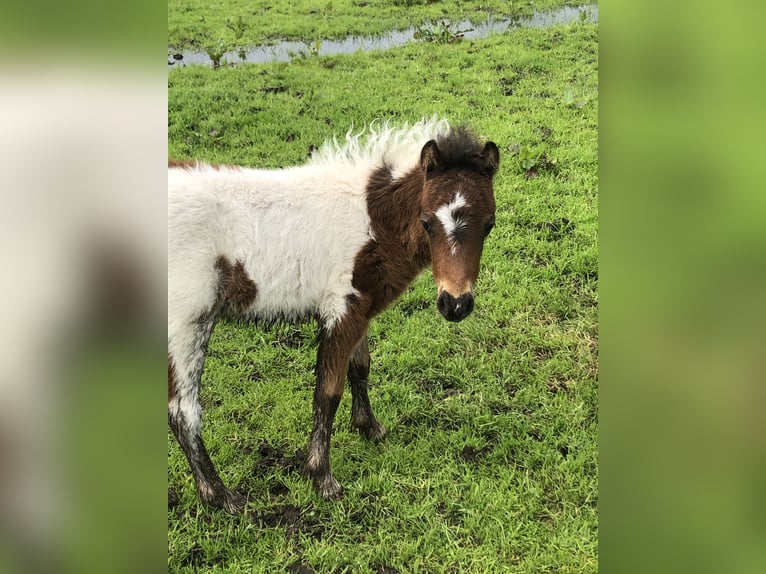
(336, 344)
(362, 417)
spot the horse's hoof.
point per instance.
(376, 432)
(233, 502)
(328, 488)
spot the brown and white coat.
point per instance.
(338, 239)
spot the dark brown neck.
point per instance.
(400, 250)
(395, 213)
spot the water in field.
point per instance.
(285, 51)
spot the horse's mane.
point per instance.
(460, 148)
(383, 144)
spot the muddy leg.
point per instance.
(362, 417)
(185, 418)
(335, 348)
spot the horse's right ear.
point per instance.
(491, 156)
(429, 157)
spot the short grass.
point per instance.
(236, 23)
(491, 460)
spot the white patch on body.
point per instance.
(449, 221)
(297, 232)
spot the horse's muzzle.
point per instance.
(455, 309)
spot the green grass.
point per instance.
(491, 460)
(249, 22)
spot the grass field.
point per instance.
(194, 23)
(491, 460)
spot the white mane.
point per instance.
(379, 143)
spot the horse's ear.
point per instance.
(491, 156)
(429, 157)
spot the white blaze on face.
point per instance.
(446, 215)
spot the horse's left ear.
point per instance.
(429, 157)
(491, 155)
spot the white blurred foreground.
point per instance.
(82, 248)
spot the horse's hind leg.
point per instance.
(185, 415)
(362, 417)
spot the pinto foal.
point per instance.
(337, 239)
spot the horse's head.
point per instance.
(457, 214)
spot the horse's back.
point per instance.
(296, 234)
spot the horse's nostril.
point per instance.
(468, 303)
(462, 308)
(443, 303)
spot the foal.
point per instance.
(337, 239)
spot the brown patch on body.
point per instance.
(237, 289)
(171, 379)
(182, 163)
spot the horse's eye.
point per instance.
(426, 225)
(488, 227)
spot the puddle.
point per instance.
(287, 50)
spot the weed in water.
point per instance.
(441, 33)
